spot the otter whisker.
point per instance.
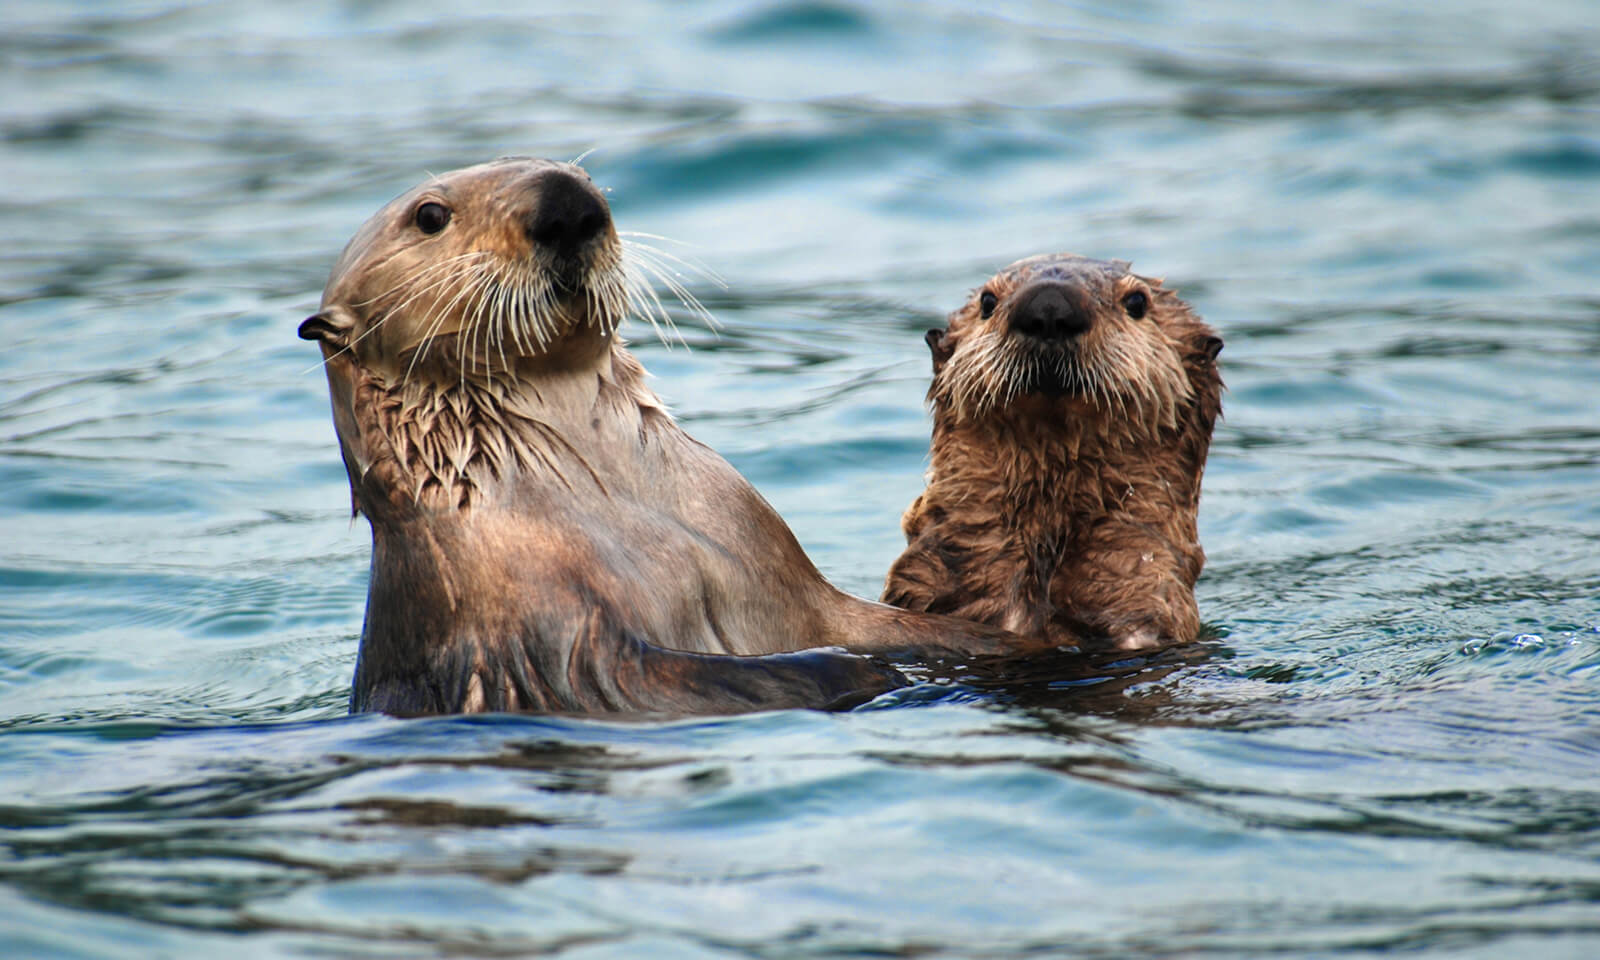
(646, 303)
(507, 316)
(478, 324)
(466, 349)
(987, 371)
(434, 320)
(641, 262)
(605, 304)
(540, 319)
(528, 306)
(646, 300)
(1065, 372)
(519, 306)
(427, 283)
(472, 288)
(591, 304)
(632, 240)
(443, 266)
(483, 306)
(513, 307)
(613, 308)
(535, 304)
(415, 285)
(420, 289)
(659, 263)
(488, 324)
(613, 299)
(494, 335)
(504, 324)
(417, 354)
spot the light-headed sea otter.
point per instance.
(544, 536)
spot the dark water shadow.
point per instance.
(1111, 684)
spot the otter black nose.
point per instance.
(1050, 311)
(568, 213)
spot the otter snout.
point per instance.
(1051, 311)
(568, 212)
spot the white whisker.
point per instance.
(693, 266)
(643, 263)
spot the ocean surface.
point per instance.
(1391, 211)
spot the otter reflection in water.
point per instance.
(544, 536)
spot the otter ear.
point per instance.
(1211, 346)
(939, 343)
(331, 326)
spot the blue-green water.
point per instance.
(1391, 210)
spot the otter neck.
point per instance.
(435, 464)
(446, 442)
(1052, 519)
(1059, 471)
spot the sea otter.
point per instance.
(1073, 403)
(544, 536)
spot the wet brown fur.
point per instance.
(545, 537)
(1065, 477)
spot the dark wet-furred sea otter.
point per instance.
(544, 536)
(1073, 403)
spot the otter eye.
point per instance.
(986, 303)
(1136, 303)
(432, 217)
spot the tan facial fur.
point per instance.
(479, 289)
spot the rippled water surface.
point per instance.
(1391, 210)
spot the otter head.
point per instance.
(465, 319)
(1073, 407)
(474, 269)
(1067, 331)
